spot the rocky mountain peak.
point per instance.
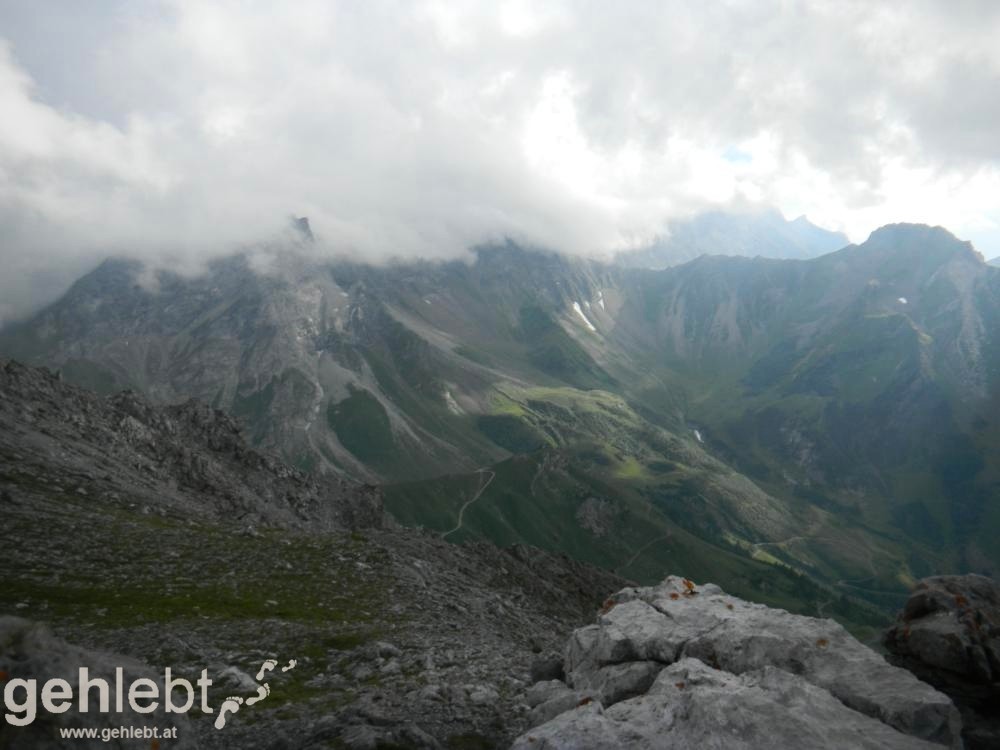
(684, 665)
(920, 241)
(301, 225)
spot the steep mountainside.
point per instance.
(862, 381)
(761, 233)
(186, 459)
(303, 352)
(744, 420)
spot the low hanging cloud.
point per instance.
(176, 131)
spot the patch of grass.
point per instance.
(629, 468)
(362, 426)
(119, 569)
(555, 353)
(510, 432)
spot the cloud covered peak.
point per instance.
(183, 130)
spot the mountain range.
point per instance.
(751, 233)
(812, 433)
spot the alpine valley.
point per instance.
(814, 433)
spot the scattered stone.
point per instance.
(431, 692)
(386, 650)
(391, 667)
(237, 679)
(483, 695)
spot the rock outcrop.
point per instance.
(681, 665)
(948, 635)
(187, 458)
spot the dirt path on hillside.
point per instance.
(482, 488)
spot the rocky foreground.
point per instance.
(670, 666)
(685, 666)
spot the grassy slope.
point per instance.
(652, 519)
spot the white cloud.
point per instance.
(184, 129)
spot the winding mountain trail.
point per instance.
(847, 584)
(639, 551)
(781, 544)
(758, 545)
(821, 608)
(850, 583)
(479, 493)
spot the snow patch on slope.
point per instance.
(584, 318)
(452, 405)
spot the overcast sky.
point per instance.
(172, 130)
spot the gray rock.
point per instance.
(692, 705)
(391, 667)
(236, 680)
(616, 682)
(948, 635)
(630, 631)
(431, 692)
(642, 629)
(558, 703)
(483, 695)
(541, 692)
(386, 650)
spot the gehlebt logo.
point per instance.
(22, 697)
